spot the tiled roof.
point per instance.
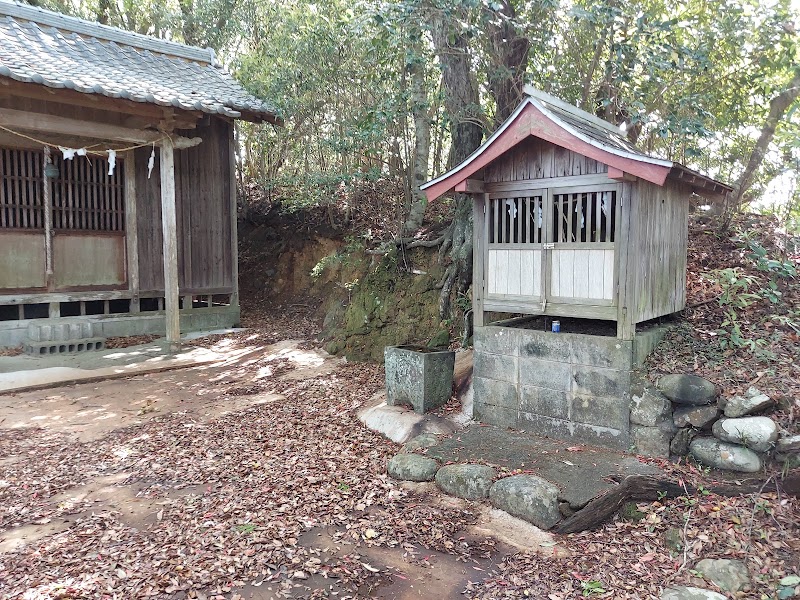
(46, 48)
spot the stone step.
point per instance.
(48, 348)
(59, 330)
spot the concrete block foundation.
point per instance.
(563, 385)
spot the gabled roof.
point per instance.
(546, 117)
(46, 48)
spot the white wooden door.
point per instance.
(514, 230)
(581, 261)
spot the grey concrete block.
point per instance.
(496, 340)
(545, 373)
(49, 348)
(543, 401)
(596, 435)
(495, 415)
(600, 351)
(645, 342)
(544, 345)
(495, 366)
(605, 411)
(496, 393)
(600, 382)
(560, 429)
(581, 433)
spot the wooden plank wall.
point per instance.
(536, 159)
(203, 204)
(148, 225)
(514, 272)
(659, 232)
(584, 274)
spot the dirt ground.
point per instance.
(79, 477)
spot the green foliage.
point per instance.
(353, 248)
(690, 81)
(592, 587)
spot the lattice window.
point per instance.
(518, 220)
(584, 217)
(83, 196)
(21, 189)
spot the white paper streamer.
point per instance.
(151, 163)
(112, 161)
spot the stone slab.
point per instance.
(579, 473)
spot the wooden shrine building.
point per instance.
(572, 221)
(117, 183)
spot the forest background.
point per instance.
(378, 97)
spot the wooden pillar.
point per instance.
(48, 223)
(234, 221)
(624, 242)
(169, 228)
(479, 204)
(131, 230)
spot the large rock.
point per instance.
(728, 457)
(695, 416)
(679, 445)
(690, 593)
(422, 441)
(412, 467)
(530, 498)
(687, 389)
(470, 482)
(739, 406)
(756, 433)
(788, 444)
(652, 441)
(650, 409)
(728, 575)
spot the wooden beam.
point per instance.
(619, 175)
(169, 227)
(470, 186)
(53, 125)
(546, 182)
(16, 89)
(131, 230)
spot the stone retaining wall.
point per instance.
(562, 385)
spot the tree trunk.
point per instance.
(777, 109)
(462, 108)
(422, 144)
(189, 27)
(509, 51)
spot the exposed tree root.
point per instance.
(647, 487)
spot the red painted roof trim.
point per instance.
(531, 121)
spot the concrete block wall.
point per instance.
(17, 333)
(561, 385)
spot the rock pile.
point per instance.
(683, 415)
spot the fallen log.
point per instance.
(647, 487)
